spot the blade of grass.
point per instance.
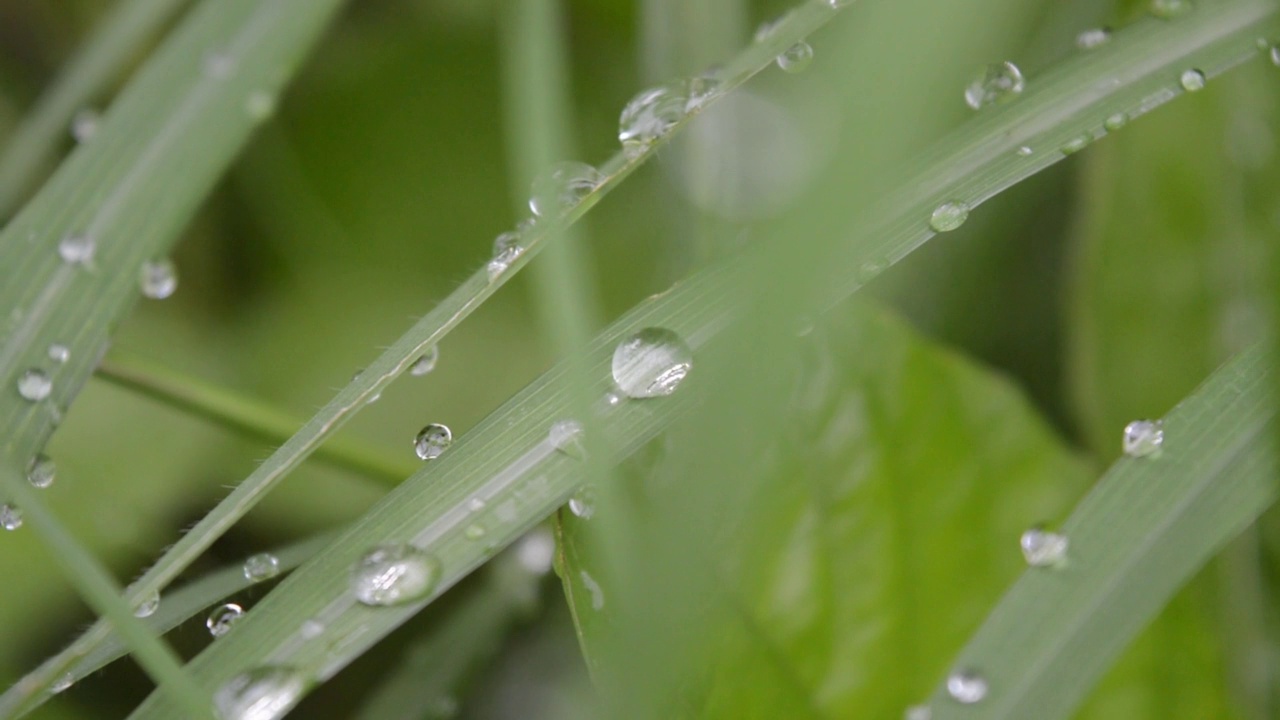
(242, 414)
(116, 40)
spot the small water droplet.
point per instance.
(1043, 549)
(999, 82)
(562, 186)
(474, 531)
(426, 363)
(62, 684)
(158, 278)
(918, 712)
(566, 436)
(583, 503)
(796, 58)
(394, 574)
(536, 551)
(310, 629)
(650, 115)
(41, 472)
(593, 587)
(1076, 144)
(702, 89)
(949, 215)
(432, 441)
(147, 606)
(766, 29)
(84, 124)
(1115, 122)
(260, 105)
(1143, 437)
(1170, 8)
(76, 249)
(1274, 54)
(218, 65)
(262, 566)
(1192, 80)
(1092, 38)
(651, 363)
(475, 504)
(10, 517)
(59, 353)
(222, 618)
(1024, 151)
(610, 400)
(264, 693)
(506, 248)
(966, 687)
(34, 385)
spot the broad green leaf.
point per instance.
(885, 522)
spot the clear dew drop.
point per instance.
(158, 279)
(796, 58)
(651, 363)
(1041, 548)
(84, 125)
(566, 436)
(10, 517)
(432, 441)
(1191, 80)
(1092, 38)
(1143, 438)
(34, 385)
(918, 712)
(650, 115)
(949, 215)
(147, 606)
(426, 363)
(59, 353)
(394, 574)
(76, 249)
(262, 566)
(223, 618)
(507, 247)
(260, 105)
(310, 629)
(264, 693)
(475, 504)
(41, 472)
(1076, 144)
(999, 82)
(1024, 151)
(966, 687)
(62, 684)
(702, 89)
(583, 503)
(562, 186)
(1170, 8)
(1115, 122)
(536, 551)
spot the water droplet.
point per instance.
(264, 693)
(611, 400)
(966, 687)
(260, 105)
(475, 504)
(583, 503)
(1000, 82)
(432, 441)
(474, 531)
(506, 248)
(218, 65)
(918, 712)
(767, 28)
(147, 606)
(262, 566)
(837, 4)
(62, 684)
(1143, 437)
(1042, 548)
(651, 363)
(394, 574)
(1274, 54)
(593, 587)
(702, 89)
(536, 551)
(34, 385)
(1192, 80)
(1076, 144)
(562, 186)
(10, 517)
(1024, 151)
(222, 618)
(796, 58)
(1170, 8)
(1115, 122)
(311, 629)
(41, 471)
(949, 215)
(566, 436)
(650, 115)
(158, 278)
(1092, 38)
(76, 249)
(426, 363)
(84, 125)
(59, 353)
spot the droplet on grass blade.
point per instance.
(1043, 549)
(84, 125)
(1092, 38)
(1170, 8)
(10, 517)
(966, 687)
(59, 353)
(949, 216)
(393, 575)
(1143, 438)
(262, 566)
(426, 363)
(999, 82)
(76, 249)
(1191, 80)
(432, 441)
(41, 471)
(566, 436)
(264, 693)
(652, 362)
(650, 115)
(147, 606)
(222, 618)
(34, 385)
(158, 279)
(561, 187)
(796, 58)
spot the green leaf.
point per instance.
(884, 522)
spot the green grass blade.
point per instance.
(1147, 526)
(117, 39)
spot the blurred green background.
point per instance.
(1102, 290)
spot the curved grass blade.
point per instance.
(1148, 525)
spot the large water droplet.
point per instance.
(264, 693)
(41, 471)
(562, 186)
(583, 503)
(262, 566)
(506, 248)
(1143, 438)
(1092, 38)
(649, 116)
(966, 687)
(394, 574)
(1170, 8)
(566, 436)
(949, 215)
(536, 551)
(158, 278)
(1192, 80)
(1043, 549)
(651, 363)
(76, 249)
(84, 125)
(432, 441)
(34, 385)
(59, 353)
(222, 618)
(1000, 82)
(10, 517)
(426, 363)
(148, 605)
(796, 58)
